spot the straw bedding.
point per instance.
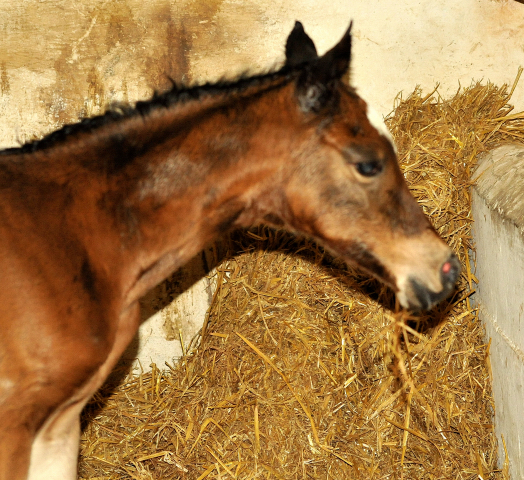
(306, 370)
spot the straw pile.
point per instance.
(305, 370)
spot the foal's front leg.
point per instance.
(54, 454)
(15, 447)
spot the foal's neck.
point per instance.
(210, 169)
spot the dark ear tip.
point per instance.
(298, 26)
(345, 42)
(299, 46)
(348, 31)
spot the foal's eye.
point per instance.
(369, 169)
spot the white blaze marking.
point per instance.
(378, 122)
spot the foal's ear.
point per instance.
(334, 64)
(299, 47)
(316, 86)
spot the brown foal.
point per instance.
(96, 214)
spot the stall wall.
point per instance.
(61, 59)
(498, 210)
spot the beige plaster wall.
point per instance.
(64, 59)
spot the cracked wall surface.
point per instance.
(62, 59)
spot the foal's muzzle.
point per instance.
(426, 299)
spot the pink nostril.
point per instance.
(450, 272)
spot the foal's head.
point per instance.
(344, 186)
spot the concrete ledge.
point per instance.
(498, 212)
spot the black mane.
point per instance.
(177, 95)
